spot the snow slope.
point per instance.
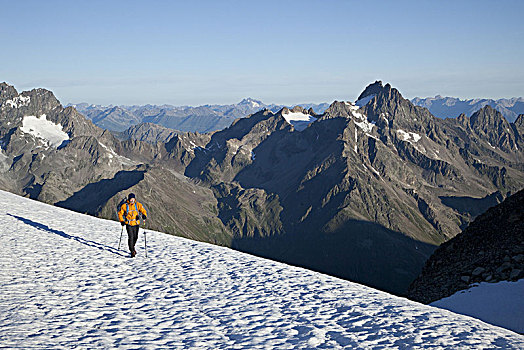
(63, 284)
(501, 303)
(44, 129)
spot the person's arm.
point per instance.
(121, 215)
(143, 211)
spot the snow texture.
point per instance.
(360, 119)
(364, 101)
(63, 284)
(298, 117)
(408, 136)
(365, 125)
(501, 303)
(44, 129)
(18, 101)
(356, 140)
(110, 151)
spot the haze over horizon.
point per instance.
(291, 52)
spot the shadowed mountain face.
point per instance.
(364, 192)
(358, 250)
(93, 197)
(92, 170)
(490, 249)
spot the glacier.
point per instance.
(64, 284)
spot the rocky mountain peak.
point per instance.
(43, 98)
(298, 109)
(338, 109)
(519, 124)
(385, 103)
(251, 102)
(148, 132)
(491, 126)
(463, 120)
(7, 92)
(284, 110)
(487, 117)
(372, 89)
(390, 93)
(384, 95)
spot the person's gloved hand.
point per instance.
(122, 223)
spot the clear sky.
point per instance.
(197, 52)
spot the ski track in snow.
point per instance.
(63, 284)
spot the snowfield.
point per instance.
(63, 284)
(44, 129)
(500, 303)
(298, 117)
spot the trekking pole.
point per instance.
(120, 240)
(145, 239)
(145, 242)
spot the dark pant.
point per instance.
(132, 233)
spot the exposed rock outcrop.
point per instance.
(490, 249)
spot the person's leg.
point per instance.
(135, 236)
(132, 232)
(131, 238)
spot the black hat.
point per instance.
(131, 195)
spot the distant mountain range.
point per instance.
(452, 107)
(201, 119)
(208, 118)
(365, 190)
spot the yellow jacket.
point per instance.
(131, 213)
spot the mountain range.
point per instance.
(451, 107)
(364, 191)
(206, 118)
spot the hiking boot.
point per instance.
(133, 253)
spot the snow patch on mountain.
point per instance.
(408, 136)
(18, 101)
(298, 117)
(299, 120)
(44, 129)
(501, 304)
(374, 170)
(365, 125)
(360, 119)
(110, 151)
(356, 140)
(77, 290)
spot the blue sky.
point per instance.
(197, 52)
